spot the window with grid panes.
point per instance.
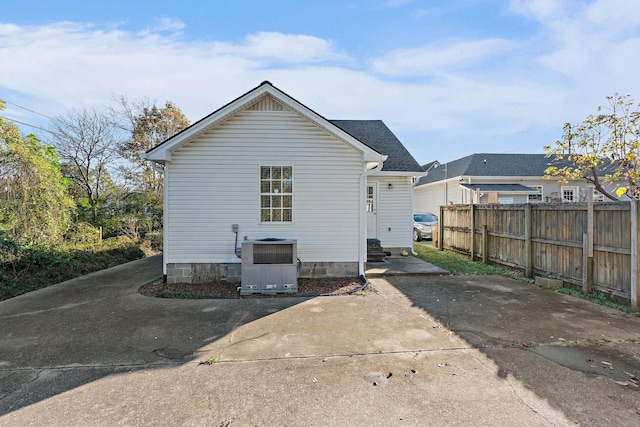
(569, 194)
(535, 197)
(276, 193)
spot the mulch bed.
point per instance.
(306, 287)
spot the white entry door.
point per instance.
(372, 210)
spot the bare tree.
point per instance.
(87, 142)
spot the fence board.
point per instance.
(554, 241)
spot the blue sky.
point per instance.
(450, 78)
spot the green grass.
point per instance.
(368, 290)
(459, 264)
(598, 298)
(209, 361)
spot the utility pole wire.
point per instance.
(26, 109)
(27, 124)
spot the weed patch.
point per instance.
(597, 298)
(460, 265)
(209, 361)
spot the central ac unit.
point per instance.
(269, 266)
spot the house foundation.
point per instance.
(232, 272)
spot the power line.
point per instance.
(27, 124)
(26, 109)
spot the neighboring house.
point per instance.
(267, 166)
(494, 178)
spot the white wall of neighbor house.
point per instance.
(395, 219)
(552, 190)
(213, 182)
(429, 198)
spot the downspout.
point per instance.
(165, 224)
(362, 247)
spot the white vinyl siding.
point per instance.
(213, 183)
(428, 198)
(395, 218)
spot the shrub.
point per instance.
(36, 267)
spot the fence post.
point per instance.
(635, 270)
(485, 244)
(441, 229)
(587, 247)
(473, 232)
(528, 247)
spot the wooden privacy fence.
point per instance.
(592, 245)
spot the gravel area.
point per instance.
(306, 287)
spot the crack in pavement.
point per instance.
(23, 385)
(343, 355)
(160, 364)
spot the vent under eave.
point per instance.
(267, 103)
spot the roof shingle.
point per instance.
(376, 135)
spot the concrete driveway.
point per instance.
(423, 350)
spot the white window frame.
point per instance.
(597, 196)
(575, 194)
(538, 194)
(275, 203)
(371, 198)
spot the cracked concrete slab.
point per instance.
(94, 352)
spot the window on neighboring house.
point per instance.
(569, 194)
(597, 196)
(276, 194)
(537, 197)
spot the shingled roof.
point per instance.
(375, 134)
(490, 164)
(511, 188)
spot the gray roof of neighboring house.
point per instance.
(488, 164)
(501, 188)
(375, 134)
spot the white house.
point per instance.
(266, 166)
(484, 178)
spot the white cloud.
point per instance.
(539, 9)
(169, 24)
(615, 15)
(469, 89)
(80, 64)
(288, 48)
(593, 45)
(425, 60)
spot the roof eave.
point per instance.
(400, 173)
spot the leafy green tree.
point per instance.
(604, 148)
(35, 207)
(149, 125)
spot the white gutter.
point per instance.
(362, 247)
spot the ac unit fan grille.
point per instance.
(272, 254)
